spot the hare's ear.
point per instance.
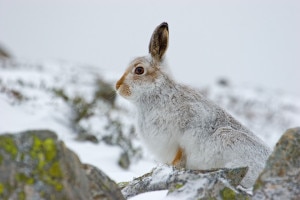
(159, 41)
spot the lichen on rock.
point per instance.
(8, 145)
(36, 165)
(281, 177)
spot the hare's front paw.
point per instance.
(179, 160)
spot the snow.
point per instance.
(190, 190)
(102, 156)
(268, 113)
(159, 195)
(42, 110)
(161, 174)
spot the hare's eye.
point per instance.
(139, 70)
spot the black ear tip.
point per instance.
(164, 25)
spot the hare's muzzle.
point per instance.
(122, 88)
(119, 82)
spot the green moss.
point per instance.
(59, 186)
(22, 195)
(50, 149)
(178, 185)
(1, 188)
(43, 151)
(53, 182)
(41, 160)
(6, 189)
(55, 170)
(22, 156)
(1, 159)
(48, 169)
(21, 177)
(8, 144)
(227, 194)
(36, 146)
(36, 153)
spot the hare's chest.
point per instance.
(159, 136)
(156, 126)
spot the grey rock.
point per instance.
(100, 185)
(281, 177)
(189, 184)
(4, 53)
(36, 165)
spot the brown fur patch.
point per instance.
(153, 75)
(178, 157)
(121, 80)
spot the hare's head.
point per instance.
(144, 74)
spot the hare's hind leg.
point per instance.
(179, 160)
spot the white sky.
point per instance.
(253, 42)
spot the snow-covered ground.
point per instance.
(28, 101)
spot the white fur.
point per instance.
(173, 116)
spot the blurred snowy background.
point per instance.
(67, 54)
(249, 42)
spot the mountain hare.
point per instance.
(179, 125)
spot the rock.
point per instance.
(36, 165)
(189, 184)
(281, 177)
(87, 137)
(100, 185)
(4, 53)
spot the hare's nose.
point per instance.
(120, 82)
